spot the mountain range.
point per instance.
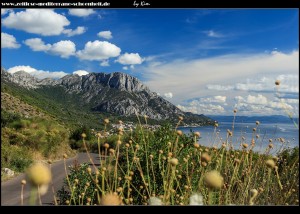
(94, 95)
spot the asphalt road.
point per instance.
(11, 189)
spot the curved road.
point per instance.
(11, 189)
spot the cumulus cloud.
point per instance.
(200, 108)
(289, 84)
(81, 72)
(98, 50)
(9, 41)
(81, 12)
(168, 95)
(79, 30)
(220, 72)
(260, 104)
(36, 44)
(45, 22)
(130, 59)
(40, 74)
(219, 87)
(5, 11)
(214, 99)
(64, 49)
(105, 34)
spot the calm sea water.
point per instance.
(214, 137)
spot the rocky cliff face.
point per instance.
(26, 80)
(116, 93)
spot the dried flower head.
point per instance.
(39, 174)
(253, 192)
(65, 156)
(257, 123)
(180, 118)
(174, 161)
(110, 199)
(216, 124)
(197, 134)
(271, 145)
(106, 121)
(155, 201)
(235, 111)
(277, 82)
(270, 163)
(196, 199)
(23, 182)
(179, 132)
(213, 180)
(89, 170)
(245, 145)
(83, 135)
(205, 157)
(196, 145)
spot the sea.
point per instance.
(243, 132)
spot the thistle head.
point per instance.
(174, 161)
(39, 174)
(213, 180)
(110, 199)
(197, 134)
(270, 164)
(205, 157)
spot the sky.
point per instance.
(206, 61)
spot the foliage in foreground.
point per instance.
(169, 168)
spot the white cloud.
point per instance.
(40, 74)
(64, 49)
(168, 95)
(130, 59)
(200, 74)
(261, 105)
(5, 11)
(81, 72)
(289, 84)
(219, 87)
(104, 63)
(9, 41)
(214, 99)
(98, 50)
(125, 68)
(25, 68)
(105, 34)
(45, 22)
(36, 44)
(213, 34)
(81, 12)
(198, 108)
(79, 30)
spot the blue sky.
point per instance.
(206, 61)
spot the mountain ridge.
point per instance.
(114, 93)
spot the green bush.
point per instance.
(84, 189)
(15, 157)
